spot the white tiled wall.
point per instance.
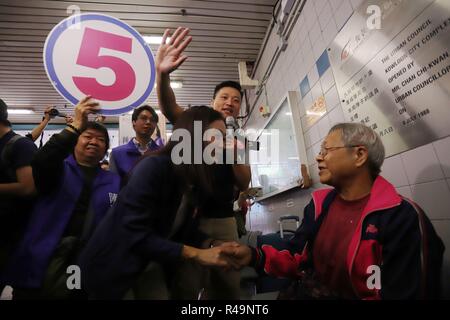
(442, 148)
(422, 174)
(327, 81)
(422, 165)
(394, 171)
(332, 98)
(342, 13)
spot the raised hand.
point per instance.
(100, 119)
(47, 113)
(170, 55)
(85, 107)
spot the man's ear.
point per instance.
(361, 155)
(212, 103)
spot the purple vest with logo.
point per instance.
(49, 219)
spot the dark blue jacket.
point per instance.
(136, 231)
(124, 157)
(49, 218)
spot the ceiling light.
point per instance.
(154, 39)
(20, 111)
(175, 84)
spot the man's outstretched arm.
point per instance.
(168, 59)
(37, 131)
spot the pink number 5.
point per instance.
(89, 56)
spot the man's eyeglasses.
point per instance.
(146, 119)
(325, 150)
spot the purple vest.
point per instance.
(49, 219)
(126, 156)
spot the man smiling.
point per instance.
(74, 194)
(359, 239)
(227, 97)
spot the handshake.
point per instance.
(227, 255)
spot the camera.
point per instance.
(55, 113)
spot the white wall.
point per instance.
(422, 174)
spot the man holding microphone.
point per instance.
(218, 220)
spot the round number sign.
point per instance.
(98, 55)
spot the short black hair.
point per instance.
(138, 111)
(99, 127)
(228, 84)
(4, 113)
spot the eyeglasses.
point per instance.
(146, 119)
(325, 150)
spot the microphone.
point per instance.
(230, 123)
(233, 127)
(229, 155)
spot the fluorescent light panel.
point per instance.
(20, 111)
(175, 84)
(154, 39)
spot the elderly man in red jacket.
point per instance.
(359, 239)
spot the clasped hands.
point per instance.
(227, 255)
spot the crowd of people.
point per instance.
(143, 227)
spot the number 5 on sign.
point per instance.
(102, 57)
(89, 56)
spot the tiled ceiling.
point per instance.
(224, 33)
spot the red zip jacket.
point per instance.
(393, 234)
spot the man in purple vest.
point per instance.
(74, 194)
(124, 157)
